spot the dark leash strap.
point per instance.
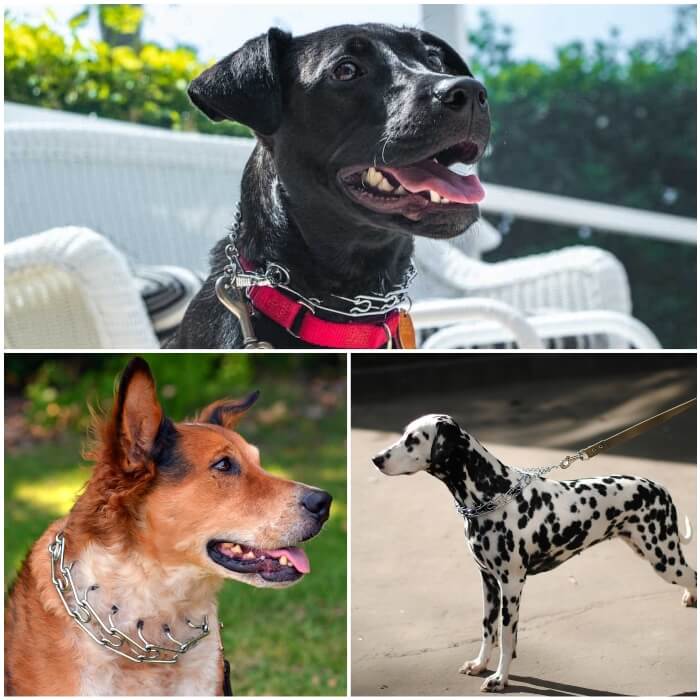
(637, 429)
(228, 691)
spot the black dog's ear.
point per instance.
(452, 59)
(445, 442)
(245, 86)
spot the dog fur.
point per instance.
(543, 526)
(160, 494)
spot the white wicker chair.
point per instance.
(165, 198)
(70, 288)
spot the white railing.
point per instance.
(556, 209)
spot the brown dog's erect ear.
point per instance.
(137, 414)
(245, 86)
(227, 413)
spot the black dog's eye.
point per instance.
(434, 61)
(346, 70)
(225, 464)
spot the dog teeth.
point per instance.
(249, 555)
(284, 561)
(444, 200)
(374, 177)
(434, 196)
(385, 186)
(236, 549)
(400, 190)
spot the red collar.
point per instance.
(298, 320)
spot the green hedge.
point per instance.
(143, 83)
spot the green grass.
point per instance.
(279, 642)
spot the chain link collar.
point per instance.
(525, 478)
(107, 635)
(275, 275)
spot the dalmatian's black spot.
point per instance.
(412, 440)
(612, 512)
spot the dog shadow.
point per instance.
(539, 686)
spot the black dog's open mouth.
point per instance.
(413, 189)
(287, 564)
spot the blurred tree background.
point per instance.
(610, 124)
(287, 642)
(606, 122)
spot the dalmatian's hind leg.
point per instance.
(492, 596)
(654, 535)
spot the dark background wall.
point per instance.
(562, 401)
(378, 376)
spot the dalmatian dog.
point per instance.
(543, 526)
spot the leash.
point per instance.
(241, 287)
(526, 477)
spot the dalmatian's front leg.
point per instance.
(509, 609)
(492, 596)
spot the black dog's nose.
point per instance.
(457, 93)
(378, 461)
(318, 503)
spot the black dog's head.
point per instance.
(363, 123)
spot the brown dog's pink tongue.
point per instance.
(429, 175)
(295, 555)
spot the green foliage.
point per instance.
(59, 389)
(124, 19)
(279, 642)
(610, 124)
(54, 67)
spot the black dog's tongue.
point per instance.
(429, 175)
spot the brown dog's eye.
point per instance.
(225, 465)
(435, 62)
(346, 71)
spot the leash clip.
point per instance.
(239, 309)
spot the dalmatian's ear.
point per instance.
(446, 441)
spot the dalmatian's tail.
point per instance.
(688, 532)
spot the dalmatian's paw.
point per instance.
(473, 667)
(689, 600)
(494, 683)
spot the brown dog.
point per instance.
(170, 511)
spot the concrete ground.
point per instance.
(603, 623)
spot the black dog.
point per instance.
(356, 127)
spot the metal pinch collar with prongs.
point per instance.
(275, 275)
(108, 635)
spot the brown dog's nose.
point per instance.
(458, 93)
(318, 503)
